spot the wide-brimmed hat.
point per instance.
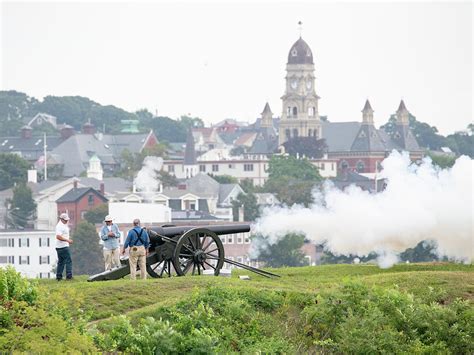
(64, 216)
(108, 218)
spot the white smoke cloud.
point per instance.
(147, 180)
(420, 203)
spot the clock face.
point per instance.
(309, 84)
(294, 83)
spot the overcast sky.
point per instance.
(220, 60)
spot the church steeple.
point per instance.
(190, 161)
(402, 114)
(367, 113)
(267, 117)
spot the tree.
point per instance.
(292, 179)
(224, 179)
(462, 143)
(97, 214)
(167, 179)
(427, 136)
(14, 106)
(86, 251)
(22, 207)
(165, 128)
(285, 252)
(308, 147)
(249, 202)
(13, 169)
(443, 161)
(191, 122)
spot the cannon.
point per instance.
(181, 250)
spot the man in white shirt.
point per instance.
(62, 248)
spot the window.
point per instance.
(202, 168)
(90, 200)
(310, 132)
(360, 166)
(7, 260)
(288, 111)
(44, 242)
(246, 239)
(295, 132)
(311, 112)
(215, 167)
(287, 134)
(7, 242)
(248, 167)
(24, 260)
(295, 111)
(344, 164)
(44, 259)
(24, 242)
(171, 168)
(223, 238)
(230, 239)
(239, 238)
(231, 166)
(44, 275)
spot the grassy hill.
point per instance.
(324, 309)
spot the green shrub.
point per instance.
(357, 319)
(13, 287)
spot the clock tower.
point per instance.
(300, 117)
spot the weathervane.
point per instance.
(300, 27)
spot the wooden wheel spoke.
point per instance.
(188, 265)
(207, 246)
(162, 270)
(169, 268)
(199, 269)
(192, 244)
(210, 251)
(189, 249)
(194, 268)
(157, 265)
(209, 265)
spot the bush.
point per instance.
(357, 319)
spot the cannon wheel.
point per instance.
(197, 250)
(158, 268)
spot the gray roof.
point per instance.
(191, 216)
(368, 140)
(30, 148)
(339, 136)
(203, 184)
(300, 53)
(79, 148)
(404, 139)
(264, 144)
(76, 193)
(225, 190)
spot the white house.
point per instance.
(32, 253)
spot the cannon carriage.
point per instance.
(181, 250)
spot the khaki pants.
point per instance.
(112, 258)
(137, 254)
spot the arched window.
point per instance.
(360, 166)
(288, 111)
(344, 164)
(310, 132)
(287, 134)
(295, 132)
(295, 111)
(311, 111)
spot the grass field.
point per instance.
(331, 309)
(104, 299)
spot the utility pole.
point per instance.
(45, 159)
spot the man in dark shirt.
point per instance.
(138, 241)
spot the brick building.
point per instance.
(77, 201)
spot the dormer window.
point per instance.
(308, 53)
(294, 53)
(362, 134)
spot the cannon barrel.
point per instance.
(219, 229)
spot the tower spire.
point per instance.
(300, 27)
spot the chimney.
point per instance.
(66, 131)
(75, 183)
(26, 132)
(182, 186)
(102, 188)
(33, 176)
(88, 128)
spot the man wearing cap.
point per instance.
(139, 242)
(62, 248)
(110, 234)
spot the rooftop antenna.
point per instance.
(300, 27)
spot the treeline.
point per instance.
(77, 110)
